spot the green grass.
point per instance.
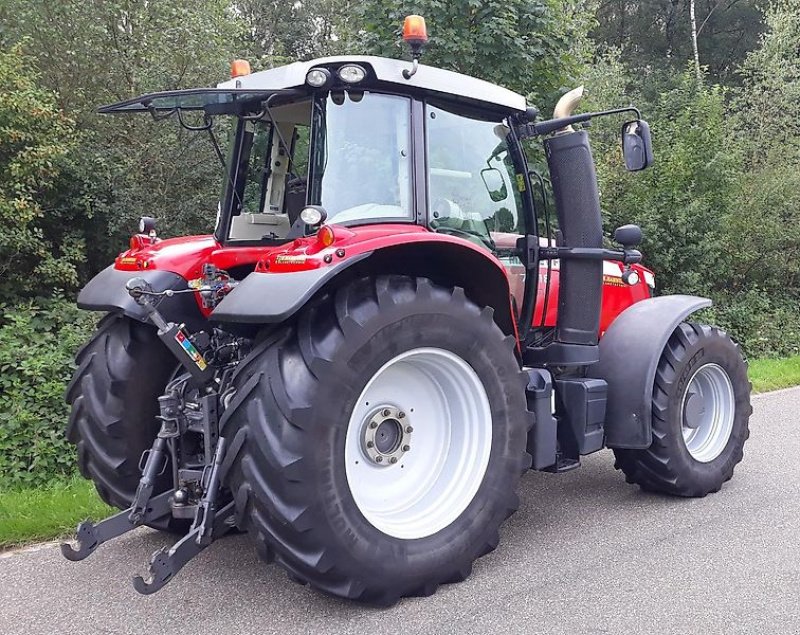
(772, 374)
(30, 515)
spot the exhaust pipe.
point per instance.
(574, 181)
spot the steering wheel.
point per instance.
(446, 209)
(466, 233)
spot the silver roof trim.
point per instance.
(390, 71)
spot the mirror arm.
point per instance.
(527, 131)
(626, 256)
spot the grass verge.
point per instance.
(772, 374)
(30, 515)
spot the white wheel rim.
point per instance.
(708, 408)
(429, 485)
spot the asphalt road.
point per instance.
(586, 553)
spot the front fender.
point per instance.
(629, 355)
(107, 292)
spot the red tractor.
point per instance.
(380, 338)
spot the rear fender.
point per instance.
(629, 354)
(107, 292)
(269, 298)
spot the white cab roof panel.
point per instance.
(389, 71)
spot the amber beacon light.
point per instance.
(415, 34)
(240, 68)
(414, 31)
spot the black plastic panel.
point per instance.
(629, 355)
(542, 437)
(106, 292)
(581, 405)
(267, 298)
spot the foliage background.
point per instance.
(719, 209)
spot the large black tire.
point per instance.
(287, 425)
(121, 372)
(667, 465)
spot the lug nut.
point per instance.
(386, 412)
(409, 429)
(370, 444)
(393, 459)
(373, 424)
(379, 459)
(406, 448)
(401, 415)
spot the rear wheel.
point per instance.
(701, 409)
(122, 371)
(378, 442)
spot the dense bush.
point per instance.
(39, 341)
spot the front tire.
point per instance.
(701, 410)
(377, 442)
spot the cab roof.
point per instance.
(381, 72)
(389, 72)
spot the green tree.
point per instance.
(280, 32)
(766, 120)
(655, 35)
(684, 202)
(36, 249)
(535, 47)
(92, 53)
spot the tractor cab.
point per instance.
(353, 136)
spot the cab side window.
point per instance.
(472, 183)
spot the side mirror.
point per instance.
(628, 235)
(637, 147)
(495, 185)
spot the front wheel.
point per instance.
(379, 440)
(701, 410)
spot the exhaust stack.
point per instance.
(577, 200)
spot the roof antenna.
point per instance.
(416, 36)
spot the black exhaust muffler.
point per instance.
(577, 200)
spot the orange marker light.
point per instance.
(325, 236)
(414, 30)
(239, 68)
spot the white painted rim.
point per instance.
(707, 431)
(429, 486)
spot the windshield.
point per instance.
(359, 148)
(362, 157)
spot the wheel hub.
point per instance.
(693, 411)
(386, 435)
(708, 409)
